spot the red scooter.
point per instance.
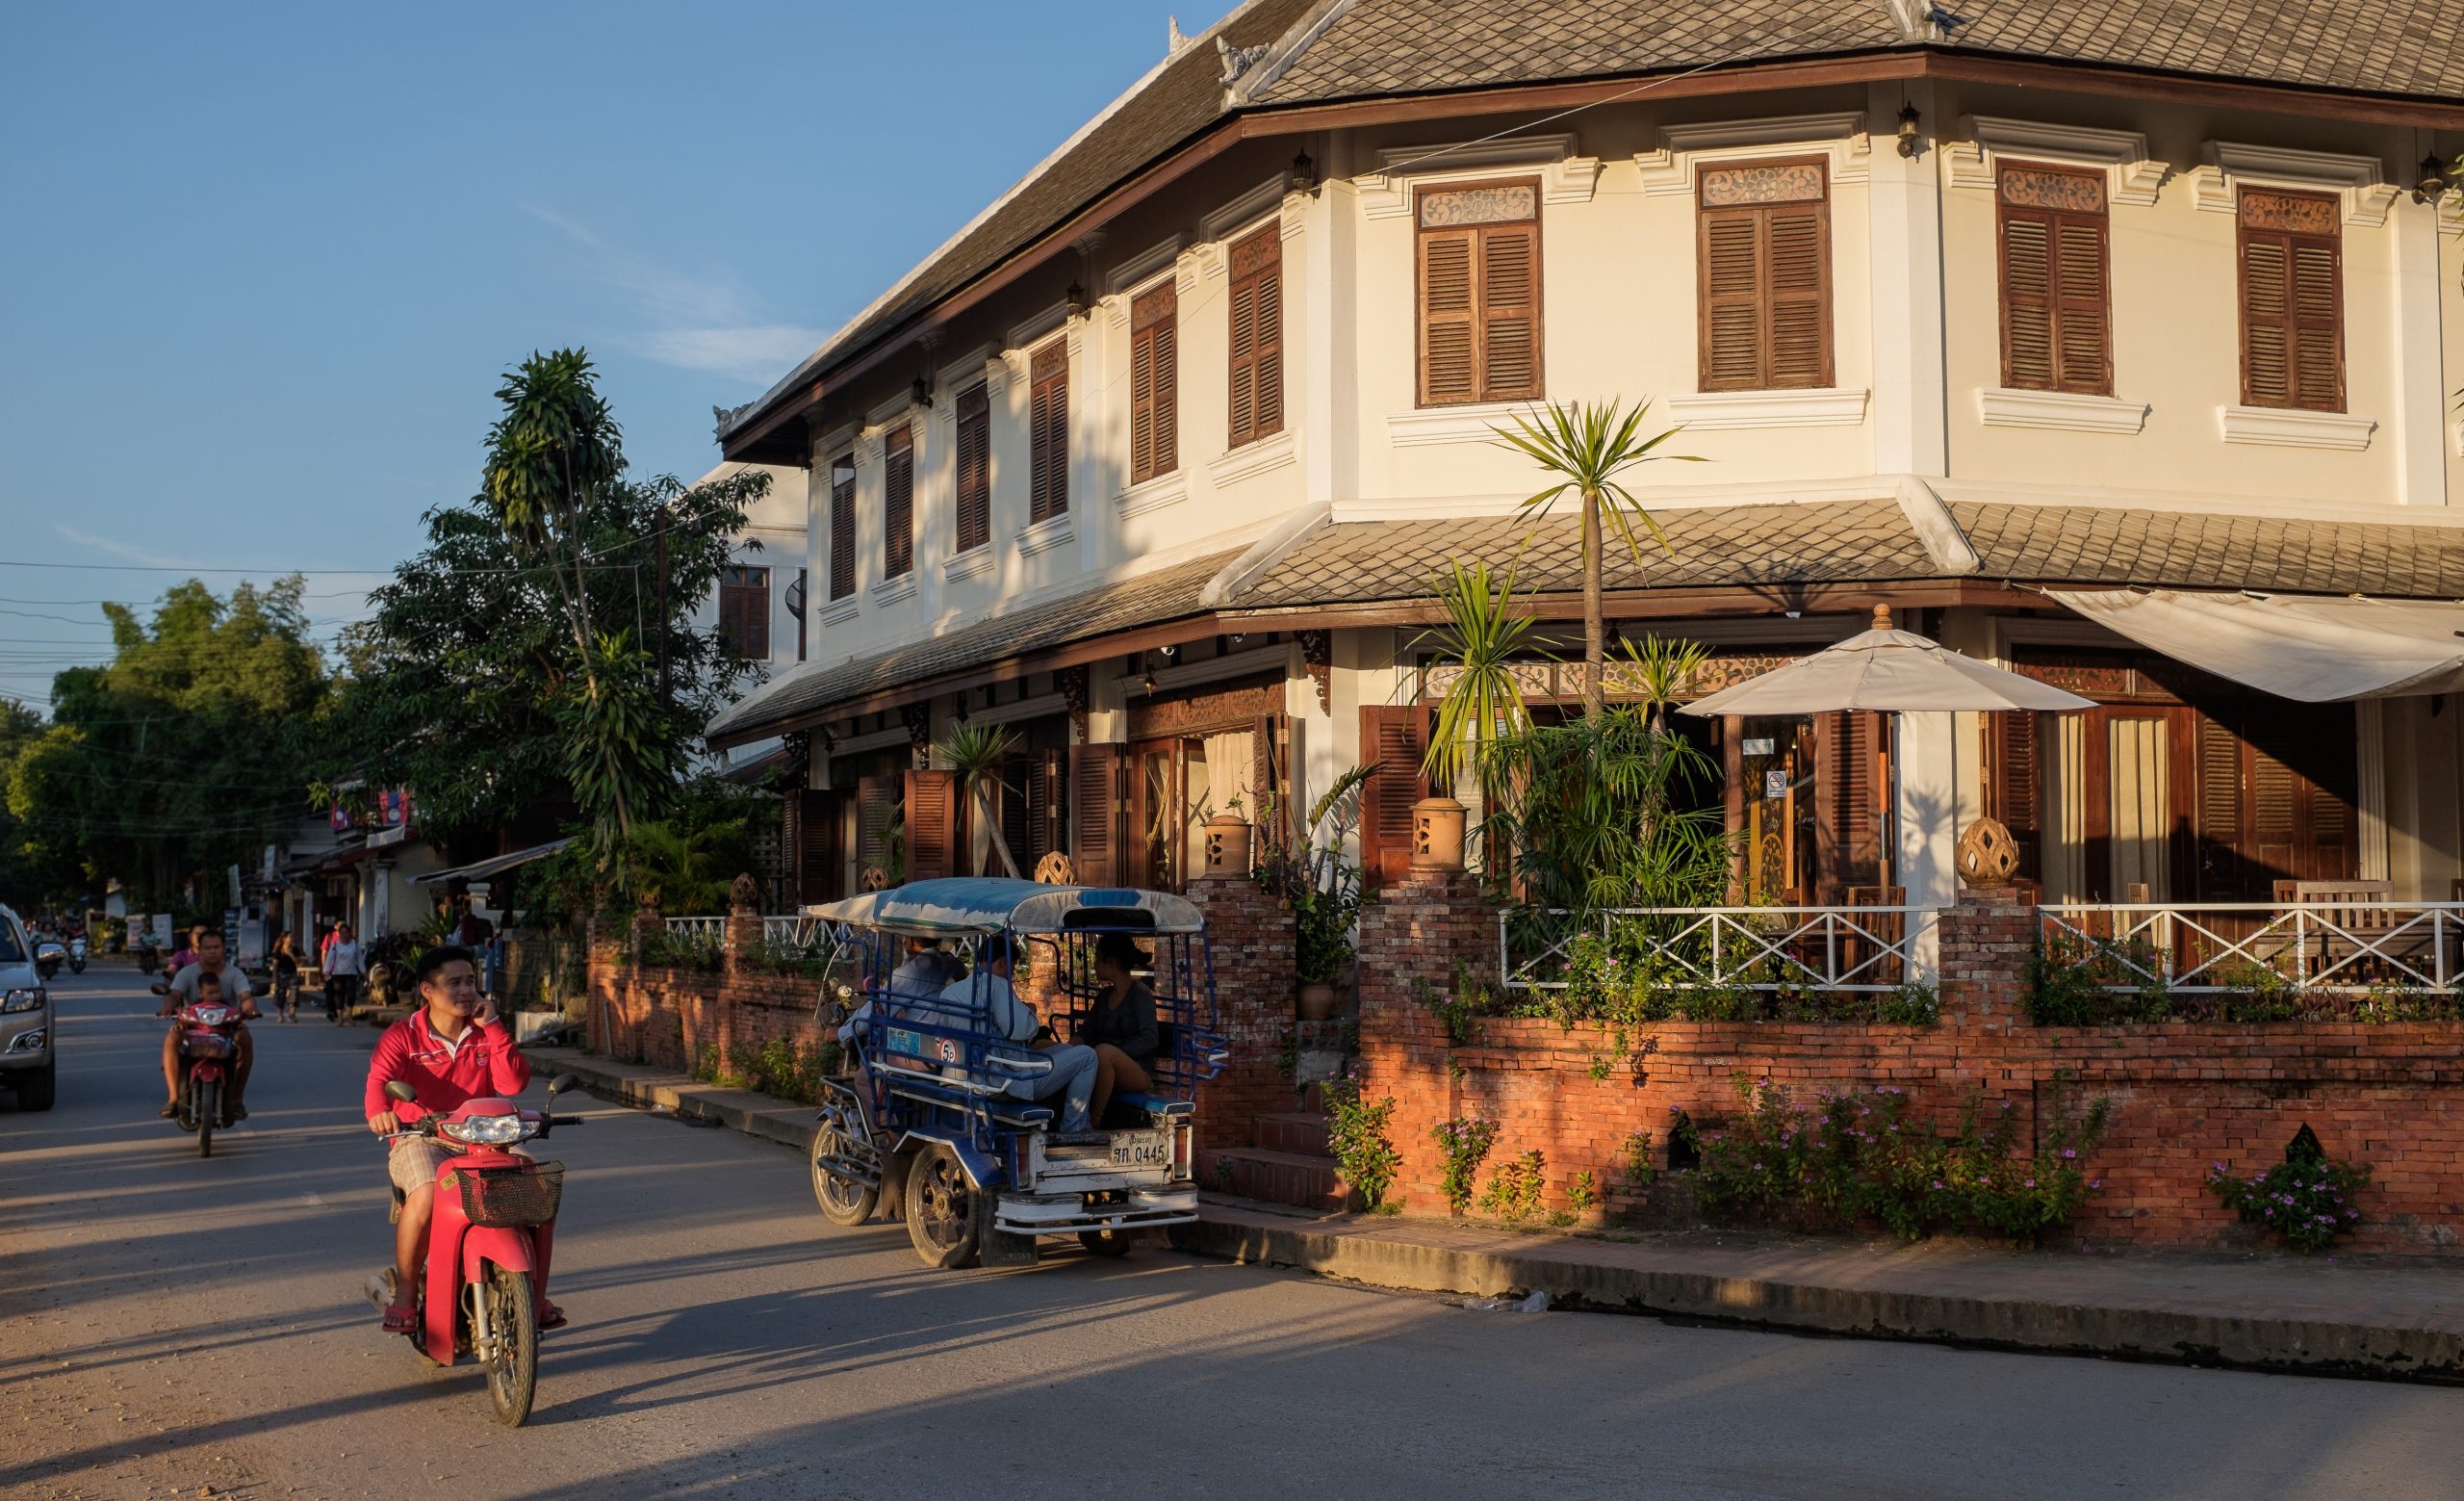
(209, 1055)
(487, 1247)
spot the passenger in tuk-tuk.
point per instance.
(1073, 1069)
(928, 970)
(1120, 1023)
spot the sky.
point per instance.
(262, 265)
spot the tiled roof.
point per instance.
(2214, 551)
(2376, 46)
(1166, 594)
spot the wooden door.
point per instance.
(1097, 774)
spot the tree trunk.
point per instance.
(1594, 633)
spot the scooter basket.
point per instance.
(512, 1196)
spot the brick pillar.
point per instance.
(1987, 939)
(602, 974)
(1416, 934)
(1250, 934)
(743, 952)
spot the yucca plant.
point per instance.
(1586, 446)
(1480, 639)
(978, 754)
(1659, 670)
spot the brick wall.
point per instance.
(1250, 935)
(2184, 1094)
(671, 1018)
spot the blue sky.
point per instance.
(266, 263)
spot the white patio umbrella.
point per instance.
(1887, 671)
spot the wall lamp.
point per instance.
(1075, 299)
(2433, 180)
(921, 391)
(1908, 141)
(1305, 175)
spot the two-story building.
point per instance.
(2115, 352)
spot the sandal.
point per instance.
(170, 1112)
(400, 1320)
(551, 1316)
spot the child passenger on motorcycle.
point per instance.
(451, 1050)
(185, 987)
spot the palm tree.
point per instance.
(978, 754)
(1586, 446)
(1478, 643)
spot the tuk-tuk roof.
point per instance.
(990, 904)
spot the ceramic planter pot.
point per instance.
(1227, 845)
(1437, 833)
(1317, 1003)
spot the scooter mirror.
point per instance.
(396, 1089)
(563, 1083)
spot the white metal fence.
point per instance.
(1757, 949)
(2335, 945)
(713, 930)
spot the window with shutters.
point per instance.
(1763, 265)
(898, 501)
(1049, 433)
(1393, 740)
(744, 613)
(2292, 301)
(1479, 292)
(974, 469)
(1154, 383)
(842, 526)
(1257, 336)
(2057, 304)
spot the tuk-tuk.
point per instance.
(945, 1109)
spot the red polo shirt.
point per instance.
(482, 1063)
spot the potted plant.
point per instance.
(1323, 890)
(1321, 922)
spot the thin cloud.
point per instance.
(118, 549)
(693, 321)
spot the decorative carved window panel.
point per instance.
(1455, 208)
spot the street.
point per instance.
(172, 1323)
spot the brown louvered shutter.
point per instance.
(2217, 813)
(2292, 302)
(2057, 314)
(1049, 431)
(1047, 804)
(1154, 384)
(2013, 791)
(753, 619)
(1764, 244)
(819, 872)
(842, 526)
(1257, 337)
(1393, 740)
(1478, 284)
(898, 501)
(936, 825)
(1095, 773)
(1848, 779)
(974, 466)
(876, 810)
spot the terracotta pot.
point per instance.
(1317, 1003)
(1227, 845)
(1437, 833)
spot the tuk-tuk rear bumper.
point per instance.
(1068, 1215)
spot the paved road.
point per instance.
(171, 1322)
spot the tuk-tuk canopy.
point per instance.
(991, 904)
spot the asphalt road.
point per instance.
(167, 1322)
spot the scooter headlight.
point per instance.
(485, 1130)
(21, 1000)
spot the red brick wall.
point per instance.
(669, 1016)
(2184, 1094)
(1250, 932)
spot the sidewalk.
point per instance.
(2313, 1316)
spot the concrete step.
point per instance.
(1301, 1131)
(1291, 1178)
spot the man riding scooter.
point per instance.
(181, 990)
(452, 1050)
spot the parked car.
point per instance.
(26, 1063)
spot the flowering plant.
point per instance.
(1464, 1142)
(1356, 1134)
(2307, 1198)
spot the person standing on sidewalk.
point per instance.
(346, 963)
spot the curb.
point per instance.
(754, 1115)
(2172, 1337)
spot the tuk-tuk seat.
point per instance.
(1023, 1117)
(1157, 1105)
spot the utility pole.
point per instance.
(666, 701)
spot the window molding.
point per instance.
(1153, 495)
(1429, 425)
(2132, 176)
(1046, 535)
(973, 563)
(1127, 276)
(2293, 427)
(894, 591)
(2069, 411)
(1258, 456)
(1799, 406)
(2226, 166)
(840, 612)
(1564, 177)
(1676, 165)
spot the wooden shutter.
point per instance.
(819, 873)
(1049, 433)
(1095, 773)
(1763, 253)
(842, 526)
(731, 617)
(755, 623)
(1478, 286)
(898, 501)
(2292, 302)
(804, 613)
(2012, 789)
(2216, 809)
(935, 826)
(1851, 777)
(1257, 336)
(974, 465)
(876, 810)
(1154, 384)
(2057, 318)
(1392, 739)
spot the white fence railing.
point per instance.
(794, 932)
(2218, 948)
(713, 930)
(1756, 949)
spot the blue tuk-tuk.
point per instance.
(943, 1109)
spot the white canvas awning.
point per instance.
(1886, 670)
(2318, 650)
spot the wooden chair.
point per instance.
(1891, 927)
(2366, 922)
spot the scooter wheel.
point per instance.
(513, 1374)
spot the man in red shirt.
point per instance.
(451, 1050)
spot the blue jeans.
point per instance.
(1072, 1078)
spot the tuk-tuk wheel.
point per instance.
(945, 1216)
(841, 1201)
(1105, 1243)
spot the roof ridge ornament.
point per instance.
(1238, 60)
(1923, 21)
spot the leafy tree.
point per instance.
(185, 753)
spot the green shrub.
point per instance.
(1515, 1189)
(1463, 1144)
(2308, 1199)
(1357, 1134)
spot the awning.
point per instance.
(2318, 650)
(481, 869)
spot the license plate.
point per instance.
(1142, 1150)
(915, 1044)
